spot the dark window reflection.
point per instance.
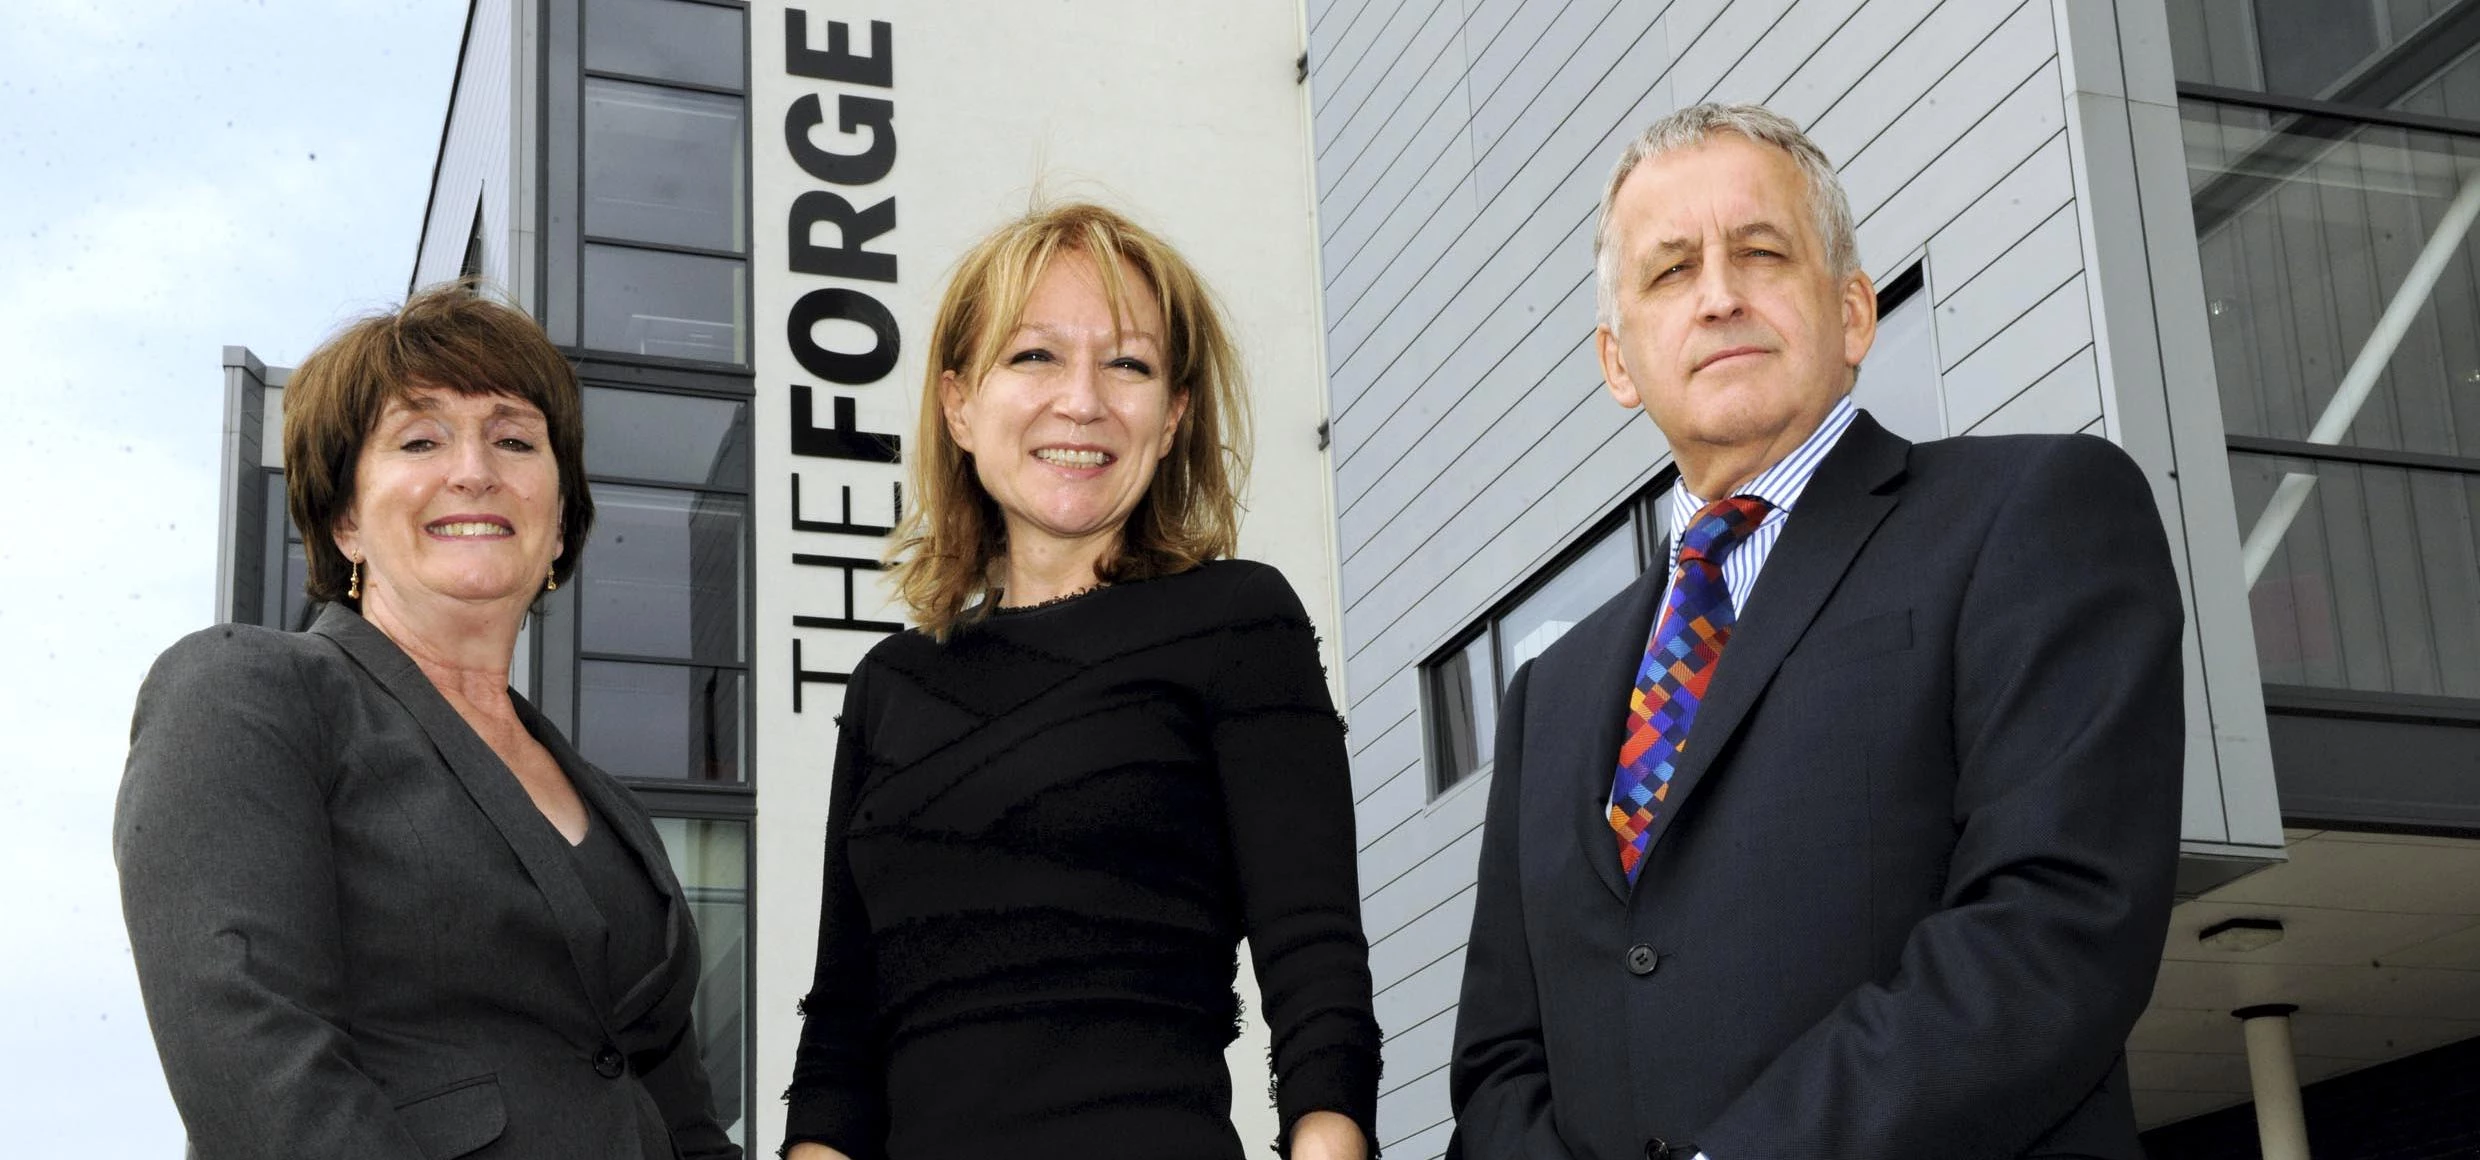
(663, 165)
(648, 302)
(1464, 693)
(699, 44)
(671, 438)
(663, 575)
(2375, 585)
(711, 860)
(667, 722)
(2305, 242)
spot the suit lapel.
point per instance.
(613, 807)
(1853, 489)
(493, 788)
(1591, 671)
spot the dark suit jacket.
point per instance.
(1910, 890)
(356, 936)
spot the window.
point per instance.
(650, 150)
(1899, 383)
(2334, 164)
(1462, 684)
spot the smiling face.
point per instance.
(1733, 331)
(1066, 427)
(455, 498)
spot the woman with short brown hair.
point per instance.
(1105, 755)
(379, 907)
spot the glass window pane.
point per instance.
(665, 722)
(663, 165)
(2375, 582)
(1464, 693)
(675, 438)
(711, 859)
(2305, 241)
(666, 40)
(1574, 591)
(672, 305)
(1899, 382)
(2330, 49)
(662, 575)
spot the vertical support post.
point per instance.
(2273, 1072)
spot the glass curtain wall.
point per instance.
(2333, 155)
(647, 284)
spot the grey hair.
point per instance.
(1693, 126)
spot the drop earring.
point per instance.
(353, 587)
(551, 582)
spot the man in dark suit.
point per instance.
(1848, 834)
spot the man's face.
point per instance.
(1733, 331)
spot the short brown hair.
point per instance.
(449, 337)
(943, 553)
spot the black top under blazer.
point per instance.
(1910, 889)
(357, 936)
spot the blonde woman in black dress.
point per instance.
(1105, 756)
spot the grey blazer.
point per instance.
(356, 936)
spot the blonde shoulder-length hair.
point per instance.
(952, 542)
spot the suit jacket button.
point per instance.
(1643, 960)
(608, 1062)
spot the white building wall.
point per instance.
(1461, 146)
(1185, 115)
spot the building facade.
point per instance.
(2231, 235)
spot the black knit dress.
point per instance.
(1045, 839)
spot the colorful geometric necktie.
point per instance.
(1679, 663)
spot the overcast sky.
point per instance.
(176, 176)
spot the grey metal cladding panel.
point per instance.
(1429, 1145)
(2064, 400)
(1447, 487)
(1377, 211)
(1578, 38)
(1722, 45)
(1445, 263)
(2030, 115)
(1544, 500)
(1415, 263)
(1419, 1050)
(1963, 247)
(1389, 810)
(1399, 749)
(1398, 139)
(1424, 940)
(1857, 47)
(473, 155)
(1431, 992)
(1428, 884)
(1380, 705)
(1548, 375)
(1517, 46)
(2000, 63)
(2015, 283)
(1350, 44)
(1415, 1109)
(1891, 86)
(1448, 391)
(1609, 74)
(1370, 90)
(2038, 343)
(1408, 847)
(1785, 46)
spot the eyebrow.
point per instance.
(1756, 229)
(425, 404)
(1055, 334)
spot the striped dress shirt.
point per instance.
(1779, 485)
